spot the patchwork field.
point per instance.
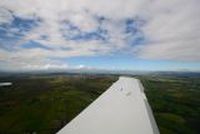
(44, 104)
(175, 102)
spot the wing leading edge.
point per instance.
(122, 109)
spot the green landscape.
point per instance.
(175, 102)
(45, 103)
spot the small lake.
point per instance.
(5, 84)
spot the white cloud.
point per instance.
(47, 67)
(5, 16)
(171, 29)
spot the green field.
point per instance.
(175, 102)
(44, 104)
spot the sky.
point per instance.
(144, 35)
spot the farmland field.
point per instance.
(44, 104)
(175, 102)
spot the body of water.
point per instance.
(5, 84)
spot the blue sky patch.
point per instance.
(24, 25)
(72, 32)
(133, 32)
(19, 26)
(32, 44)
(15, 31)
(131, 27)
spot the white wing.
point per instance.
(122, 109)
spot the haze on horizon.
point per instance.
(146, 35)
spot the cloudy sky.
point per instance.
(102, 34)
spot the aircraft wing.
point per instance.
(122, 109)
